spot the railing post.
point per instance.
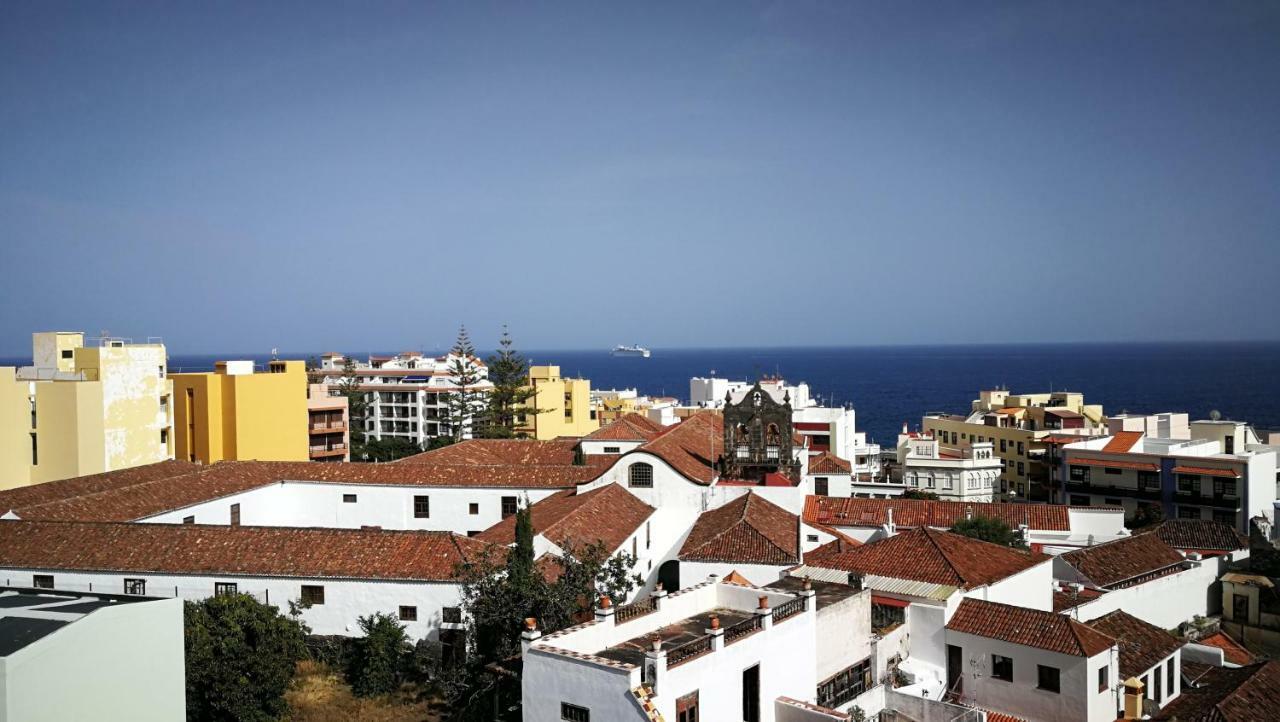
(659, 594)
(655, 665)
(810, 596)
(766, 614)
(716, 633)
(605, 612)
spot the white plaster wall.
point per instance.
(758, 574)
(843, 634)
(1078, 699)
(592, 447)
(123, 662)
(1102, 524)
(317, 504)
(549, 679)
(1165, 601)
(346, 600)
(926, 623)
(1031, 588)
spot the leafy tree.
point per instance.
(917, 494)
(388, 449)
(349, 388)
(989, 530)
(1145, 515)
(380, 659)
(465, 406)
(314, 374)
(509, 399)
(240, 658)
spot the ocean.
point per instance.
(892, 384)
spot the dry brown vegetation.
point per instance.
(318, 694)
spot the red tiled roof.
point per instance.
(829, 463)
(631, 427)
(139, 500)
(1122, 441)
(1113, 563)
(1114, 463)
(1028, 627)
(1202, 535)
(234, 550)
(24, 496)
(848, 511)
(1064, 599)
(749, 530)
(927, 555)
(692, 447)
(1228, 694)
(489, 452)
(1142, 645)
(1206, 471)
(1060, 439)
(609, 515)
(1231, 649)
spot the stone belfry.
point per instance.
(757, 437)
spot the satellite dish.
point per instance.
(1215, 415)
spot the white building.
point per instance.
(750, 535)
(1218, 470)
(830, 475)
(1147, 653)
(1031, 663)
(406, 396)
(339, 575)
(970, 473)
(71, 656)
(721, 651)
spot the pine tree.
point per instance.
(465, 406)
(509, 374)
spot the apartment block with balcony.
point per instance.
(1016, 424)
(328, 425)
(563, 406)
(239, 412)
(1221, 473)
(713, 651)
(84, 409)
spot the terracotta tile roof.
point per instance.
(927, 555)
(1228, 695)
(1067, 598)
(24, 496)
(234, 550)
(631, 427)
(748, 530)
(1123, 560)
(1200, 535)
(843, 511)
(1114, 463)
(524, 452)
(829, 463)
(1122, 441)
(1206, 471)
(1060, 439)
(1002, 717)
(148, 498)
(1193, 671)
(608, 515)
(1142, 645)
(1011, 410)
(692, 447)
(1231, 649)
(1028, 627)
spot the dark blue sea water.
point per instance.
(888, 385)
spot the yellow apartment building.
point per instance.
(1015, 424)
(564, 405)
(81, 410)
(237, 414)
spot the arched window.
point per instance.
(640, 475)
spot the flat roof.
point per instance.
(29, 615)
(673, 635)
(826, 592)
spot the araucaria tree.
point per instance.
(990, 530)
(465, 405)
(349, 388)
(511, 394)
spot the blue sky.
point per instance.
(234, 177)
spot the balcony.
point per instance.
(328, 427)
(1221, 501)
(323, 452)
(1091, 487)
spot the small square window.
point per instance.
(348, 498)
(473, 508)
(312, 595)
(811, 537)
(613, 449)
(42, 581)
(451, 615)
(1104, 679)
(188, 520)
(473, 533)
(221, 589)
(235, 515)
(67, 353)
(135, 586)
(1048, 679)
(1001, 668)
(408, 614)
(574, 713)
(508, 506)
(421, 507)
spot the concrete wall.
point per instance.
(1031, 588)
(346, 600)
(116, 663)
(844, 634)
(1165, 601)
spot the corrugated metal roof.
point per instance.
(908, 587)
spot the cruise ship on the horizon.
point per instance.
(636, 350)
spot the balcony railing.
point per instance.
(1224, 501)
(687, 651)
(789, 609)
(1085, 487)
(746, 627)
(638, 609)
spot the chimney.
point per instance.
(889, 526)
(1132, 699)
(904, 429)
